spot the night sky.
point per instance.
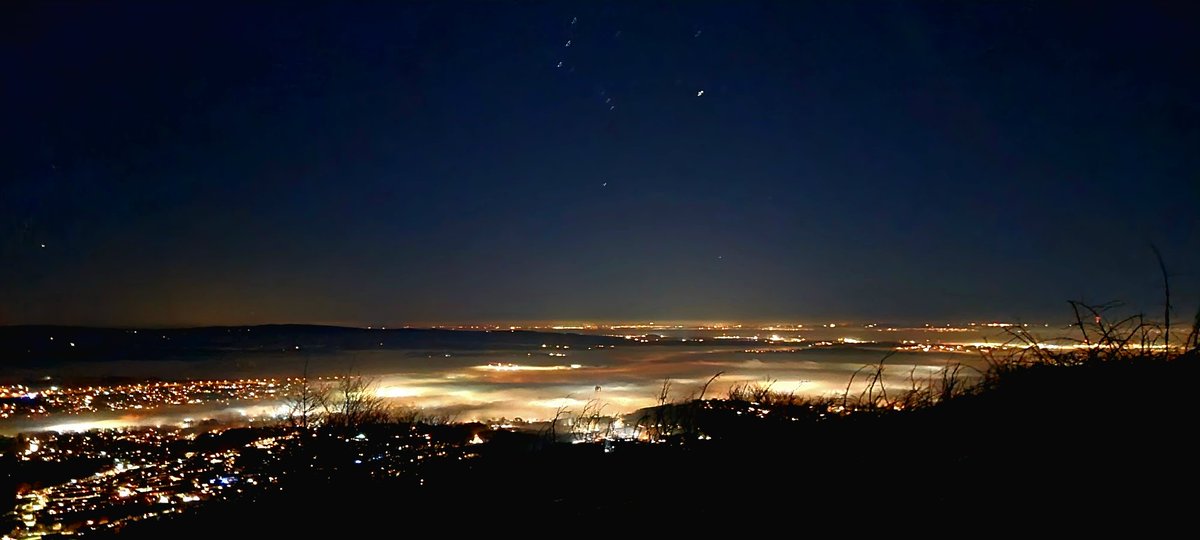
(390, 163)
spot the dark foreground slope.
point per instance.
(1081, 447)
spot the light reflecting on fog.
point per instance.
(532, 385)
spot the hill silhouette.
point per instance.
(27, 344)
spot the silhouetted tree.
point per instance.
(352, 403)
(304, 401)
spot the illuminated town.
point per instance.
(278, 269)
(46, 398)
(24, 400)
(140, 473)
(109, 478)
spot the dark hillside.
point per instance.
(1108, 440)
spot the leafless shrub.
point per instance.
(352, 403)
(661, 420)
(591, 423)
(550, 432)
(438, 418)
(406, 414)
(304, 401)
(704, 389)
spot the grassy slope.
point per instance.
(1084, 445)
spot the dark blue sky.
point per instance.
(384, 163)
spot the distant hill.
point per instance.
(24, 344)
